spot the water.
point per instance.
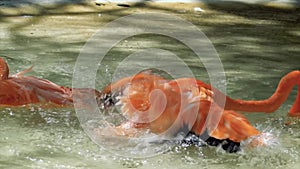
(256, 48)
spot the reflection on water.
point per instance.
(255, 52)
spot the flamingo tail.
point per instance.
(233, 126)
(19, 74)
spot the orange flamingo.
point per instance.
(181, 97)
(19, 90)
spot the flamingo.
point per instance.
(17, 90)
(180, 98)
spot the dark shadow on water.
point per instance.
(18, 3)
(258, 11)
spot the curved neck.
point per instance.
(271, 104)
(4, 71)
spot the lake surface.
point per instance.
(257, 45)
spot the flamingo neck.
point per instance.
(295, 110)
(4, 71)
(271, 104)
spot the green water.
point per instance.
(256, 51)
